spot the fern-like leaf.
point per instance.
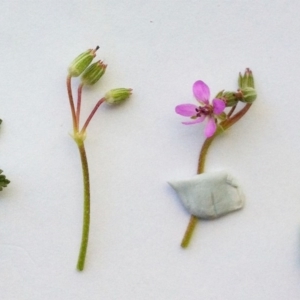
(3, 181)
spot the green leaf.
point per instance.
(3, 181)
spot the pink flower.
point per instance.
(204, 111)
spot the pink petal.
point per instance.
(210, 127)
(218, 105)
(201, 91)
(187, 110)
(198, 120)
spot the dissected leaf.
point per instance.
(3, 181)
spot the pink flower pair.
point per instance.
(204, 111)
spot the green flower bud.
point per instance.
(117, 96)
(246, 80)
(249, 95)
(230, 98)
(93, 73)
(81, 62)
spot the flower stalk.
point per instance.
(79, 95)
(79, 137)
(246, 82)
(71, 101)
(90, 74)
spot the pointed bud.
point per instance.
(81, 62)
(246, 80)
(93, 73)
(117, 96)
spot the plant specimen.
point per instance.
(211, 195)
(90, 74)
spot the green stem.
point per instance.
(203, 153)
(189, 231)
(201, 164)
(193, 219)
(86, 207)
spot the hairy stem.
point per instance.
(86, 207)
(231, 111)
(71, 101)
(91, 115)
(79, 93)
(231, 121)
(201, 164)
(193, 219)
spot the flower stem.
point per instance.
(86, 207)
(193, 219)
(231, 121)
(201, 164)
(69, 88)
(203, 153)
(79, 103)
(91, 115)
(231, 111)
(189, 231)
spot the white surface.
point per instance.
(158, 48)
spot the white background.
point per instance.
(158, 48)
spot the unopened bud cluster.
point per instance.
(81, 65)
(91, 73)
(246, 92)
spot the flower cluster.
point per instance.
(215, 194)
(206, 110)
(213, 111)
(91, 73)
